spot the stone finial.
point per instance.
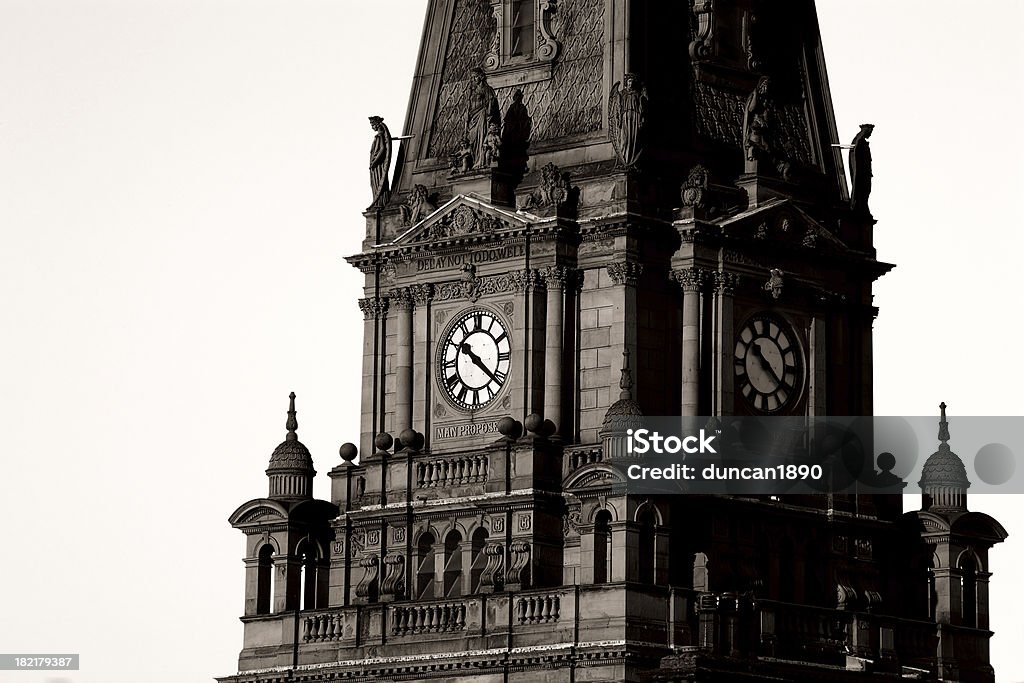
(943, 426)
(292, 424)
(625, 378)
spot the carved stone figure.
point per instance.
(483, 111)
(492, 145)
(694, 188)
(418, 206)
(554, 190)
(860, 170)
(756, 129)
(462, 158)
(380, 163)
(627, 110)
(775, 283)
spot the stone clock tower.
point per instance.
(600, 209)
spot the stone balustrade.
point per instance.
(428, 618)
(323, 626)
(538, 609)
(457, 471)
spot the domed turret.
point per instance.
(621, 416)
(291, 466)
(944, 481)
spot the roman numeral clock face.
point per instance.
(769, 373)
(473, 359)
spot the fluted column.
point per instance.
(554, 279)
(373, 311)
(626, 276)
(725, 287)
(691, 280)
(402, 301)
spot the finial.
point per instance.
(943, 426)
(292, 424)
(626, 379)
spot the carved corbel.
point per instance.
(364, 589)
(519, 565)
(702, 46)
(492, 577)
(393, 585)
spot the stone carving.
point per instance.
(627, 110)
(525, 522)
(498, 524)
(726, 283)
(519, 564)
(691, 279)
(775, 282)
(493, 57)
(393, 584)
(767, 137)
(461, 160)
(493, 574)
(492, 145)
(554, 190)
(810, 239)
(554, 276)
(418, 206)
(472, 287)
(462, 220)
(401, 298)
(695, 187)
(860, 170)
(368, 583)
(762, 231)
(702, 45)
(755, 124)
(380, 163)
(571, 521)
(626, 273)
(373, 309)
(422, 293)
(483, 112)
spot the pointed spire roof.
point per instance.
(291, 454)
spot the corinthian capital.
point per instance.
(625, 273)
(691, 279)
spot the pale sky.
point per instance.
(179, 181)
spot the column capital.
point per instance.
(526, 280)
(555, 277)
(401, 298)
(692, 279)
(422, 294)
(726, 283)
(373, 309)
(625, 272)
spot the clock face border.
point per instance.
(779, 363)
(499, 346)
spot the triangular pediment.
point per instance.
(780, 222)
(464, 218)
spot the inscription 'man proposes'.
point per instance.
(466, 429)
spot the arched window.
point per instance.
(645, 546)
(265, 580)
(523, 31)
(453, 565)
(602, 547)
(308, 576)
(425, 567)
(969, 590)
(479, 560)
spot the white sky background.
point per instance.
(179, 181)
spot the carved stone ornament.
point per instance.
(860, 170)
(463, 220)
(519, 563)
(493, 574)
(695, 187)
(482, 116)
(380, 163)
(726, 283)
(393, 584)
(775, 283)
(472, 287)
(515, 46)
(401, 298)
(627, 112)
(422, 293)
(702, 46)
(373, 309)
(553, 190)
(369, 579)
(691, 279)
(418, 206)
(626, 273)
(555, 276)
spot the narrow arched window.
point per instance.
(478, 561)
(308, 577)
(602, 547)
(265, 580)
(453, 565)
(425, 567)
(969, 591)
(523, 28)
(645, 547)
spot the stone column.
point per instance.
(373, 310)
(725, 287)
(626, 275)
(402, 300)
(554, 280)
(691, 280)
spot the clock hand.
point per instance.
(477, 361)
(765, 363)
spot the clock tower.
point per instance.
(599, 210)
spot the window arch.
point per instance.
(478, 560)
(309, 579)
(425, 566)
(453, 564)
(265, 580)
(602, 546)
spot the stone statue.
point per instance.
(627, 110)
(380, 163)
(418, 206)
(860, 170)
(756, 129)
(483, 111)
(462, 157)
(492, 145)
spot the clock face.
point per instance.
(473, 359)
(767, 362)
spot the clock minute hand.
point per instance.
(477, 361)
(765, 363)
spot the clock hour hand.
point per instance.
(765, 363)
(477, 361)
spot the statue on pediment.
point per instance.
(483, 112)
(380, 163)
(860, 170)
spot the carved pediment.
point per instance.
(595, 475)
(260, 511)
(463, 218)
(780, 222)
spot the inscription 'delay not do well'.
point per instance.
(458, 260)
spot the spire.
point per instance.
(943, 428)
(292, 424)
(626, 379)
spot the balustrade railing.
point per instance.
(321, 627)
(538, 609)
(431, 618)
(457, 471)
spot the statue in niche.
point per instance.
(860, 170)
(627, 110)
(515, 135)
(462, 157)
(483, 111)
(492, 145)
(418, 206)
(380, 163)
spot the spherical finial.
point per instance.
(383, 441)
(510, 427)
(407, 436)
(534, 422)
(886, 461)
(348, 452)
